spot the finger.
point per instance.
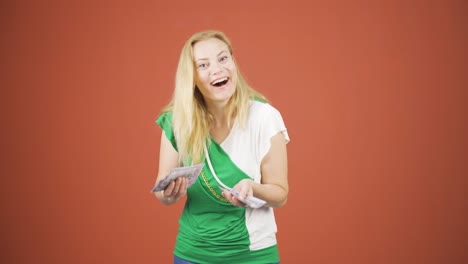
(244, 191)
(177, 185)
(228, 195)
(232, 199)
(242, 194)
(182, 187)
(169, 189)
(237, 202)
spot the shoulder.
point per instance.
(164, 119)
(165, 122)
(258, 109)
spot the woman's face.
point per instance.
(215, 71)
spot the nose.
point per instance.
(216, 68)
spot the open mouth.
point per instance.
(220, 82)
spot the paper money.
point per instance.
(250, 201)
(189, 172)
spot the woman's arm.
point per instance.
(169, 159)
(274, 186)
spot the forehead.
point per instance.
(208, 48)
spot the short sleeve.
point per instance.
(165, 122)
(271, 123)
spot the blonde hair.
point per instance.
(191, 119)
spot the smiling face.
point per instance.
(215, 71)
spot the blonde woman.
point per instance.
(215, 118)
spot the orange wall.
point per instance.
(373, 94)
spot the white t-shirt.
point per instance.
(247, 147)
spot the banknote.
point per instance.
(189, 172)
(250, 200)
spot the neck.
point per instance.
(220, 113)
(220, 116)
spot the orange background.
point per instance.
(373, 94)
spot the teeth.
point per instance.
(220, 80)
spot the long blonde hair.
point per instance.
(191, 119)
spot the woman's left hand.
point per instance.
(244, 188)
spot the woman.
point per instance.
(215, 118)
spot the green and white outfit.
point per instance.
(211, 229)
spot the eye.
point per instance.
(223, 58)
(202, 65)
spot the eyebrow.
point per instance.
(221, 52)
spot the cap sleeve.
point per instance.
(165, 122)
(271, 124)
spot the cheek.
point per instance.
(233, 70)
(201, 79)
(202, 86)
(234, 74)
(199, 83)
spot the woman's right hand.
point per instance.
(175, 190)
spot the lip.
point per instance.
(221, 78)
